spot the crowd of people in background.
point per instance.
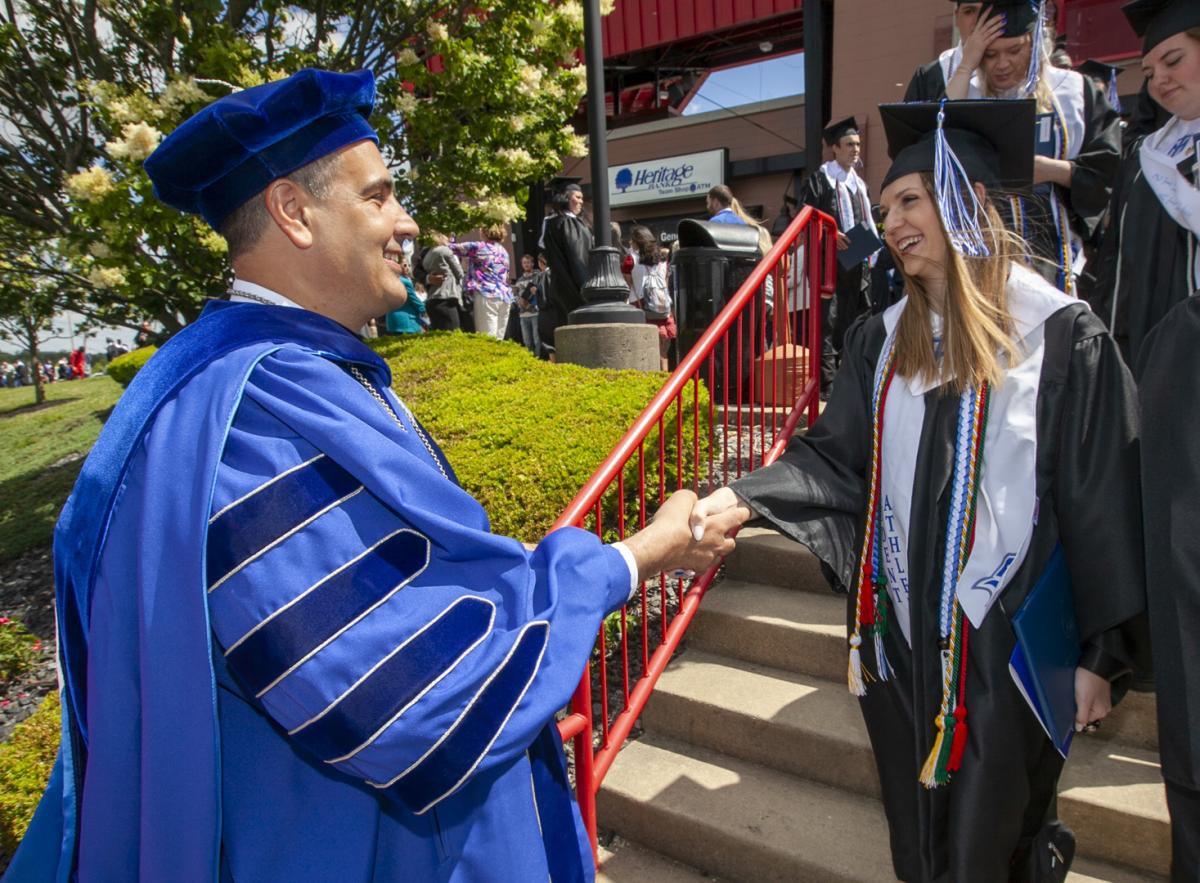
(74, 366)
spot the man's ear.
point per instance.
(980, 192)
(289, 205)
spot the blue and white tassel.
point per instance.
(1037, 50)
(956, 199)
(1114, 96)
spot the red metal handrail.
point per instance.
(798, 266)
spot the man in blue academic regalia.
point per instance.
(291, 647)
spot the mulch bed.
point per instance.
(27, 595)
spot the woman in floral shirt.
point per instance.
(486, 280)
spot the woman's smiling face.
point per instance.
(912, 228)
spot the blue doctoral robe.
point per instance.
(292, 648)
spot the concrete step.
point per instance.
(795, 631)
(740, 820)
(805, 726)
(805, 632)
(749, 823)
(763, 555)
(625, 862)
(1111, 795)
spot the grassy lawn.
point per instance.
(41, 452)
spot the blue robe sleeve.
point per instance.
(358, 595)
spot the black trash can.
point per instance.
(711, 264)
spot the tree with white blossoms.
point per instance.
(474, 103)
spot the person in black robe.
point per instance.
(1077, 138)
(1158, 311)
(928, 82)
(837, 190)
(994, 819)
(567, 242)
(1148, 260)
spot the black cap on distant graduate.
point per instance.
(1158, 20)
(1106, 75)
(835, 132)
(1098, 70)
(1021, 16)
(993, 139)
(564, 184)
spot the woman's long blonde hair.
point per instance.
(764, 237)
(977, 328)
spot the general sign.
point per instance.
(660, 180)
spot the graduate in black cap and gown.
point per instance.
(837, 190)
(567, 241)
(1077, 137)
(1151, 244)
(975, 427)
(929, 81)
(298, 652)
(1154, 295)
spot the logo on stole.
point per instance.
(991, 584)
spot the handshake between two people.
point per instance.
(688, 533)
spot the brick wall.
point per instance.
(877, 44)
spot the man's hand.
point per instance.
(435, 278)
(670, 542)
(1093, 699)
(843, 241)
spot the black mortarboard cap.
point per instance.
(1157, 20)
(564, 184)
(1020, 16)
(1098, 70)
(835, 132)
(993, 139)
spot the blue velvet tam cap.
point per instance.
(231, 150)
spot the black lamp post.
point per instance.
(605, 290)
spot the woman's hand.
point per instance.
(1052, 171)
(989, 26)
(1093, 699)
(715, 503)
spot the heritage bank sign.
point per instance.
(661, 180)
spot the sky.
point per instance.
(730, 87)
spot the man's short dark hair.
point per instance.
(245, 226)
(722, 195)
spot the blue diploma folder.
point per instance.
(864, 242)
(1047, 653)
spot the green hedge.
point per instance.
(25, 763)
(524, 435)
(123, 368)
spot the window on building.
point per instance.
(778, 77)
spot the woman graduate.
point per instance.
(1077, 139)
(1150, 251)
(975, 427)
(1157, 307)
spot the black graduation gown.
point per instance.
(568, 242)
(1145, 261)
(1169, 387)
(1087, 470)
(928, 83)
(852, 299)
